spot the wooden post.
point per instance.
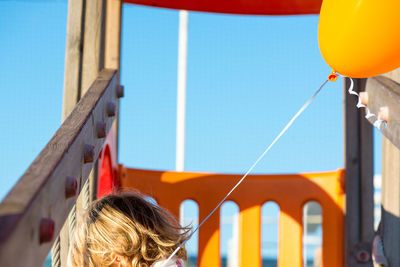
(359, 181)
(112, 57)
(72, 94)
(85, 58)
(390, 223)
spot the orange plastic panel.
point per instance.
(290, 192)
(247, 7)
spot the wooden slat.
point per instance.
(40, 192)
(359, 177)
(384, 92)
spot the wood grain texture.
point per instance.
(72, 92)
(388, 90)
(384, 92)
(113, 34)
(112, 57)
(390, 223)
(93, 47)
(359, 176)
(40, 192)
(73, 55)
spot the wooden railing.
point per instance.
(33, 212)
(290, 192)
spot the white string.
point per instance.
(249, 170)
(378, 123)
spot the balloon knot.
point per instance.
(333, 76)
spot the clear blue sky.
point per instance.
(247, 75)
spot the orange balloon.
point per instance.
(360, 38)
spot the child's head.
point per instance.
(125, 229)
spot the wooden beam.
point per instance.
(42, 196)
(84, 59)
(359, 179)
(390, 222)
(384, 92)
(72, 94)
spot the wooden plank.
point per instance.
(384, 92)
(359, 178)
(72, 94)
(73, 55)
(390, 223)
(84, 60)
(113, 48)
(40, 192)
(113, 34)
(92, 63)
(93, 47)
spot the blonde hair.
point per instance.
(127, 226)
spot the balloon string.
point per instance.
(378, 123)
(249, 170)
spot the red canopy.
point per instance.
(245, 7)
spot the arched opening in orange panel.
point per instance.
(290, 191)
(189, 216)
(312, 234)
(269, 234)
(229, 239)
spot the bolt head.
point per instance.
(120, 91)
(111, 109)
(363, 256)
(88, 153)
(100, 129)
(71, 187)
(46, 232)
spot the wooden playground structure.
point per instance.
(80, 162)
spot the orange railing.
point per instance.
(290, 192)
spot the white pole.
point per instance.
(181, 94)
